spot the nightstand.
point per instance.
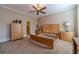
(67, 36)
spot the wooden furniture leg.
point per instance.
(74, 47)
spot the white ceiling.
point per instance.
(26, 8)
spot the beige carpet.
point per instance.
(25, 46)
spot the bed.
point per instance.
(49, 33)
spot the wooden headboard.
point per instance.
(50, 28)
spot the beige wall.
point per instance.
(6, 16)
(33, 24)
(59, 18)
(78, 19)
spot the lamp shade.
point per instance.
(67, 26)
(67, 23)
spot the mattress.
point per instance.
(50, 36)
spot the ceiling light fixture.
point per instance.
(39, 9)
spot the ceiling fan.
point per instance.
(38, 9)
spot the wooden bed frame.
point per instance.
(45, 41)
(48, 28)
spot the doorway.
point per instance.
(28, 25)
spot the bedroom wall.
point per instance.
(6, 16)
(33, 21)
(78, 19)
(59, 18)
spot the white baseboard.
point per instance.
(4, 39)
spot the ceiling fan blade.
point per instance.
(43, 12)
(37, 12)
(35, 8)
(42, 8)
(32, 11)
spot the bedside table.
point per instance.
(67, 36)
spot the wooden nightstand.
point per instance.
(67, 36)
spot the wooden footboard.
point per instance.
(46, 41)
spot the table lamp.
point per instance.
(67, 25)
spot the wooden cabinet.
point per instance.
(16, 31)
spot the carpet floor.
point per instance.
(25, 46)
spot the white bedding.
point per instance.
(50, 36)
